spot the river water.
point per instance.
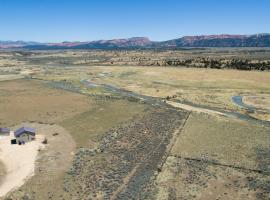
(238, 100)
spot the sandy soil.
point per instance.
(2, 171)
(19, 161)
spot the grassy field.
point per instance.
(217, 157)
(24, 100)
(88, 127)
(162, 82)
(210, 87)
(224, 140)
(206, 87)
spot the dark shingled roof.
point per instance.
(22, 130)
(4, 130)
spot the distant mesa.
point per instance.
(12, 44)
(223, 40)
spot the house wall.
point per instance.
(25, 137)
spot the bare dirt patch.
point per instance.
(19, 161)
(194, 109)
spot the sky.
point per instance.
(86, 20)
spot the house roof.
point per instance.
(4, 130)
(22, 130)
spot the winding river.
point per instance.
(238, 100)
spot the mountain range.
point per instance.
(224, 40)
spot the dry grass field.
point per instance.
(204, 87)
(185, 82)
(87, 127)
(23, 100)
(260, 101)
(200, 86)
(217, 157)
(228, 141)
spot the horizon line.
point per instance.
(122, 38)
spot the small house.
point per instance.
(24, 134)
(4, 131)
